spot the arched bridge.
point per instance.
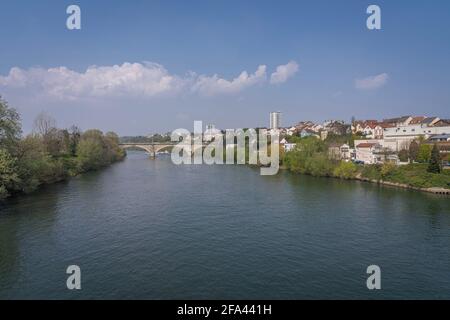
(154, 148)
(151, 148)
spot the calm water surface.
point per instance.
(147, 229)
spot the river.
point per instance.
(148, 229)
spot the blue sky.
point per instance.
(176, 61)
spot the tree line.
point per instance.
(48, 154)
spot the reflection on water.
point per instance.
(148, 229)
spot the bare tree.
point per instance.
(44, 124)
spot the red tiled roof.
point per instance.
(371, 125)
(366, 145)
(386, 125)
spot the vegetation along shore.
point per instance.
(48, 154)
(311, 156)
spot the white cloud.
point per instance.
(372, 82)
(129, 80)
(133, 79)
(284, 72)
(214, 85)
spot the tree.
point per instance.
(75, 136)
(10, 126)
(434, 165)
(44, 124)
(424, 153)
(91, 154)
(8, 173)
(413, 151)
(53, 138)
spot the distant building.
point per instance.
(337, 127)
(210, 133)
(400, 121)
(275, 120)
(291, 131)
(372, 153)
(440, 138)
(308, 133)
(367, 152)
(287, 146)
(346, 152)
(339, 151)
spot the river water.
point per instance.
(148, 229)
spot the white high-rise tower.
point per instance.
(275, 120)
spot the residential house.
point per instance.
(346, 152)
(308, 133)
(287, 146)
(400, 121)
(430, 121)
(291, 131)
(367, 153)
(337, 127)
(373, 153)
(442, 123)
(338, 151)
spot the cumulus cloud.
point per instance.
(147, 79)
(130, 80)
(372, 82)
(284, 72)
(214, 85)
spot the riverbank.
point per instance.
(49, 154)
(434, 190)
(312, 157)
(431, 189)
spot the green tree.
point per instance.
(10, 127)
(424, 153)
(8, 173)
(92, 151)
(434, 165)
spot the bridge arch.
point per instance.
(159, 148)
(149, 149)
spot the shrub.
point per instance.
(346, 170)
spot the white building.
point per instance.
(210, 133)
(398, 133)
(275, 120)
(367, 152)
(287, 146)
(414, 131)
